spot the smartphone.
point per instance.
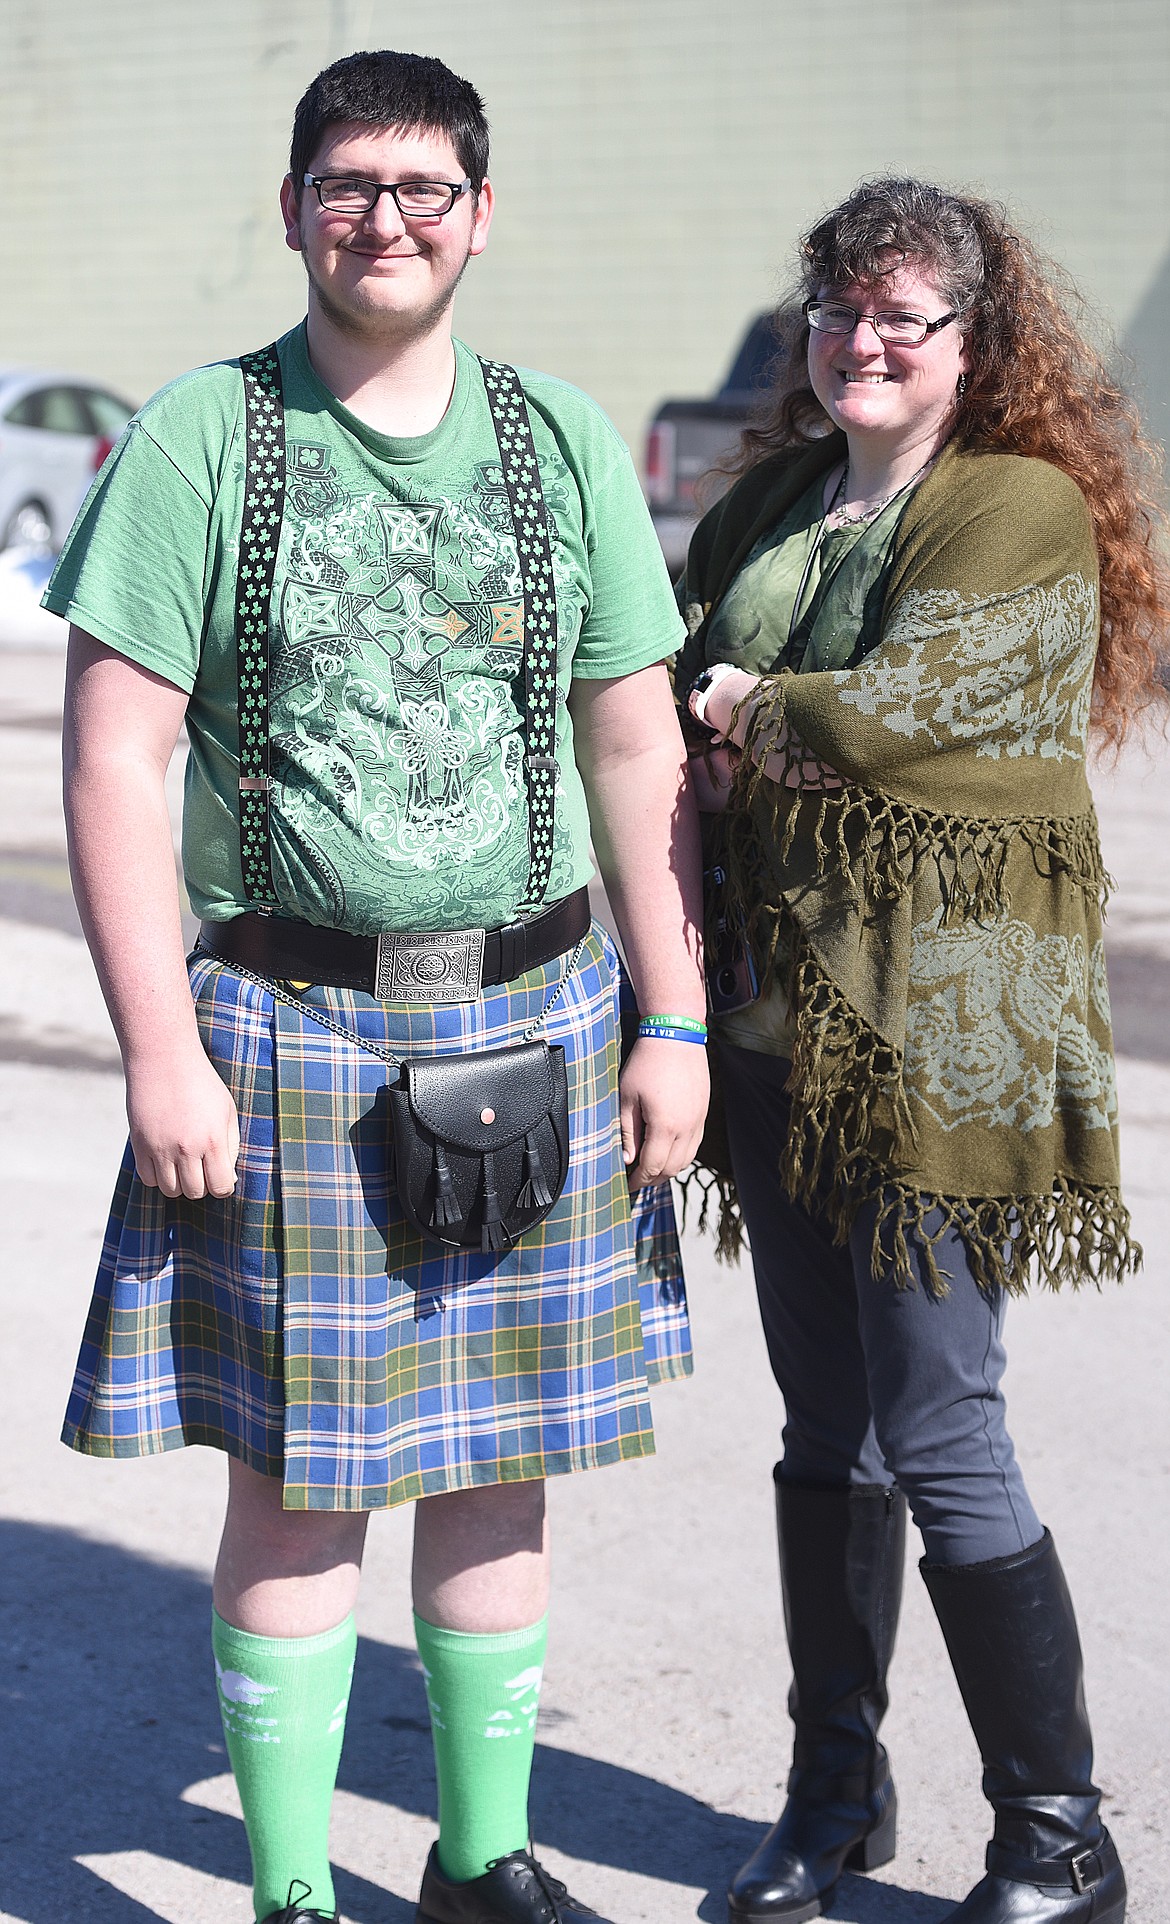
(732, 982)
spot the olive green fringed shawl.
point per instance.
(937, 921)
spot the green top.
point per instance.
(841, 580)
(841, 583)
(398, 797)
(936, 919)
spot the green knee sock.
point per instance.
(483, 1694)
(283, 1702)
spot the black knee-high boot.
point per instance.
(1012, 1637)
(841, 1558)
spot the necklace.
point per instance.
(812, 555)
(846, 520)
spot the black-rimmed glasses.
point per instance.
(417, 199)
(896, 324)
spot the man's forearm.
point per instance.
(646, 834)
(120, 727)
(123, 866)
(646, 837)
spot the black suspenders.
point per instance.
(259, 544)
(530, 526)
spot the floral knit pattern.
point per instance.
(975, 694)
(996, 1029)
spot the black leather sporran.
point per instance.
(481, 1143)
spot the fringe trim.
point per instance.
(717, 1201)
(849, 1108)
(878, 842)
(1076, 1234)
(852, 1127)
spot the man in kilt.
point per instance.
(321, 560)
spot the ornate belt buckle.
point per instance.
(444, 967)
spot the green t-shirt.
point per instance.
(398, 796)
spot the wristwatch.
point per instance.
(702, 685)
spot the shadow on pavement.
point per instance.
(857, 1901)
(110, 1715)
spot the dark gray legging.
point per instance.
(878, 1382)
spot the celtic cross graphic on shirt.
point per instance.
(402, 694)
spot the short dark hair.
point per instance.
(392, 90)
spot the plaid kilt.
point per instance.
(305, 1327)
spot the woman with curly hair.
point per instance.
(934, 571)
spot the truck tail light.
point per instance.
(660, 448)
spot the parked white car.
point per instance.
(55, 432)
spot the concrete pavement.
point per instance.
(663, 1739)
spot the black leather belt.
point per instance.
(449, 965)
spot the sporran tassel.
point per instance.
(446, 1210)
(493, 1235)
(536, 1193)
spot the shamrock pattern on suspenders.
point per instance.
(260, 526)
(530, 521)
(263, 508)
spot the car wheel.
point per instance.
(28, 527)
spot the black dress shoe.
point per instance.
(295, 1913)
(513, 1890)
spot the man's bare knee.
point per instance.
(259, 1531)
(494, 1520)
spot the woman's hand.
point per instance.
(712, 771)
(722, 700)
(804, 772)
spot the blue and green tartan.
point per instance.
(305, 1327)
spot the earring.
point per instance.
(960, 387)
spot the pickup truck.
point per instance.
(687, 438)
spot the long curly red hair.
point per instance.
(1036, 386)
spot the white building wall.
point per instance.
(655, 160)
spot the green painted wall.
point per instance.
(654, 161)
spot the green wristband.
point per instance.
(676, 1022)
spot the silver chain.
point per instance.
(376, 1048)
(846, 520)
